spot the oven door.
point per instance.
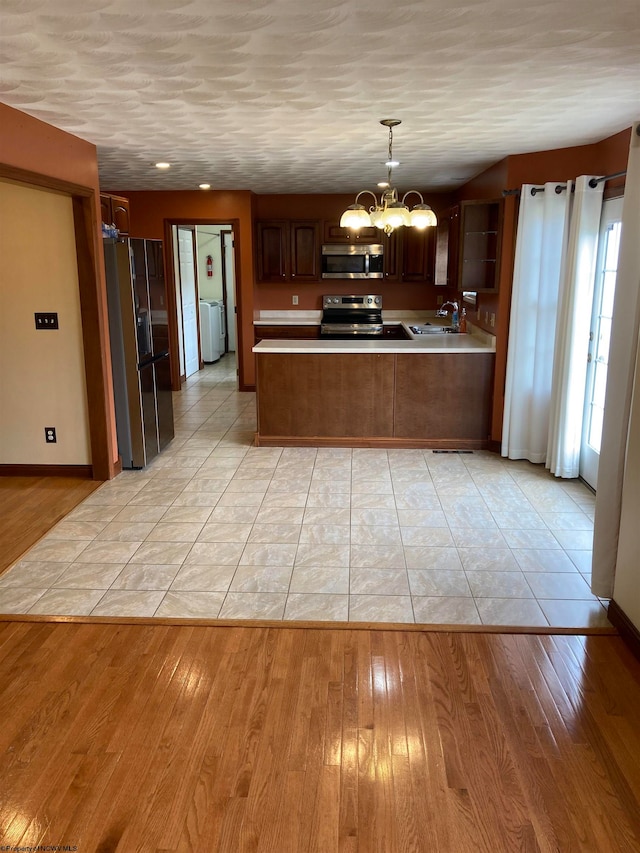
(345, 331)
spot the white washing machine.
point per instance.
(210, 314)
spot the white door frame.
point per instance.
(598, 347)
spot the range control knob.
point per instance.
(377, 300)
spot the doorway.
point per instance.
(600, 338)
(203, 265)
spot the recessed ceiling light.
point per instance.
(391, 164)
(383, 184)
(205, 186)
(163, 165)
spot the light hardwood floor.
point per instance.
(190, 738)
(31, 506)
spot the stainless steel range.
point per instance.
(351, 316)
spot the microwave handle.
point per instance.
(366, 263)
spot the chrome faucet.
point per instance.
(442, 310)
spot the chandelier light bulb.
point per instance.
(355, 217)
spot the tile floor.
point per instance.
(217, 528)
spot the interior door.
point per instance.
(600, 337)
(229, 270)
(188, 289)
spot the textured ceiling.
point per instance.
(286, 95)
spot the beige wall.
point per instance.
(42, 376)
(626, 591)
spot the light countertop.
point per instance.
(422, 344)
(475, 340)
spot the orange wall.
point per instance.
(29, 144)
(560, 164)
(150, 209)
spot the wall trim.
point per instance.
(628, 631)
(35, 179)
(84, 472)
(94, 328)
(355, 441)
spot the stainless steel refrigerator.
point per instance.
(137, 306)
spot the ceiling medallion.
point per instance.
(388, 213)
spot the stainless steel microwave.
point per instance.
(344, 260)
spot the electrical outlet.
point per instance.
(294, 300)
(439, 300)
(46, 321)
(50, 435)
(492, 320)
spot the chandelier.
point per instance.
(387, 213)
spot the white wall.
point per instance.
(209, 243)
(42, 376)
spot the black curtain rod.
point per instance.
(593, 183)
(559, 189)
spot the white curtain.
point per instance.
(620, 377)
(540, 248)
(572, 331)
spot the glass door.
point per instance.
(599, 337)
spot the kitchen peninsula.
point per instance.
(429, 391)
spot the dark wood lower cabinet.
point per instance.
(444, 395)
(432, 400)
(270, 333)
(333, 395)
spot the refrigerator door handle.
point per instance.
(153, 360)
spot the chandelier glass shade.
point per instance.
(387, 212)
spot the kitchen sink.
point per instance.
(433, 330)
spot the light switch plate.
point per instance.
(46, 321)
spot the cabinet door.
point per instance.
(272, 240)
(480, 240)
(418, 253)
(392, 254)
(453, 246)
(305, 250)
(271, 333)
(333, 233)
(120, 214)
(105, 209)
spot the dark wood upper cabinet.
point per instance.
(105, 208)
(273, 249)
(120, 214)
(288, 250)
(333, 233)
(392, 255)
(114, 210)
(453, 246)
(418, 254)
(305, 250)
(480, 238)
